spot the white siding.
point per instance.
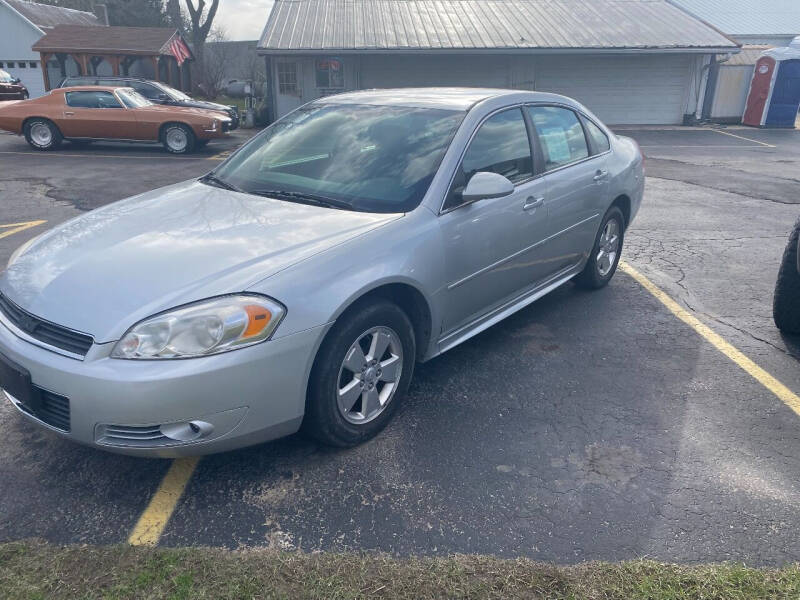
(15, 47)
(620, 89)
(645, 89)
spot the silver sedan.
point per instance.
(297, 284)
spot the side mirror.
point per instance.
(485, 185)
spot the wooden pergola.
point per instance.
(120, 47)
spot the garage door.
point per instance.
(621, 89)
(30, 74)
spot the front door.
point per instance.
(759, 91)
(96, 114)
(491, 245)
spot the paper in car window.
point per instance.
(555, 138)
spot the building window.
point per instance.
(32, 65)
(1, 65)
(10, 64)
(330, 74)
(287, 78)
(21, 64)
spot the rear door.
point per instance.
(97, 114)
(491, 245)
(577, 184)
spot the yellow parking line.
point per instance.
(221, 156)
(741, 137)
(158, 512)
(784, 394)
(12, 228)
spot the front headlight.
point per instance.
(203, 328)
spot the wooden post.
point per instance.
(45, 75)
(85, 64)
(115, 65)
(155, 67)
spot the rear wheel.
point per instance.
(606, 252)
(42, 134)
(786, 304)
(178, 138)
(360, 375)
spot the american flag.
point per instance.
(179, 50)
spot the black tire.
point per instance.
(36, 141)
(786, 304)
(190, 138)
(591, 277)
(323, 419)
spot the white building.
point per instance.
(22, 23)
(630, 61)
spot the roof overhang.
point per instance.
(23, 17)
(498, 51)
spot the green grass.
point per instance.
(32, 570)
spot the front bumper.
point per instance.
(135, 407)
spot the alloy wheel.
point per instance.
(369, 375)
(609, 248)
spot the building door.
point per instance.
(785, 99)
(759, 91)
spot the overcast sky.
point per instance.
(243, 19)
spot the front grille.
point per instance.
(54, 410)
(130, 435)
(45, 331)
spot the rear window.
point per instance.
(599, 138)
(560, 134)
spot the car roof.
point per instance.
(453, 98)
(90, 88)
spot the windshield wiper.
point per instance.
(305, 198)
(212, 179)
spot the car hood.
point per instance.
(102, 272)
(206, 105)
(171, 108)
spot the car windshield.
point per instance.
(132, 99)
(5, 77)
(176, 94)
(363, 157)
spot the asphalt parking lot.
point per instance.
(587, 426)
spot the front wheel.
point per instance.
(786, 303)
(177, 138)
(360, 375)
(606, 252)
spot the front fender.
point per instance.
(318, 290)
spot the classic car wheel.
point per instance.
(178, 138)
(361, 372)
(42, 134)
(605, 254)
(786, 303)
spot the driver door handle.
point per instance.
(600, 175)
(532, 203)
(68, 113)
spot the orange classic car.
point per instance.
(87, 113)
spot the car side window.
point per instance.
(501, 145)
(600, 139)
(560, 135)
(150, 92)
(92, 100)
